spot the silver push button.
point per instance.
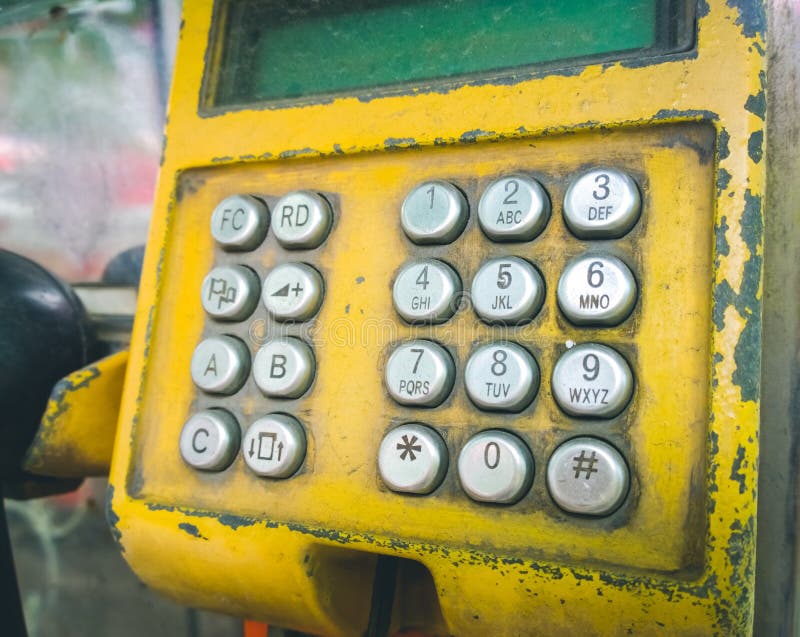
(587, 476)
(592, 381)
(230, 292)
(501, 377)
(220, 365)
(596, 290)
(301, 220)
(508, 291)
(513, 208)
(292, 292)
(274, 446)
(412, 459)
(284, 368)
(426, 291)
(240, 222)
(209, 440)
(434, 212)
(603, 203)
(495, 466)
(420, 373)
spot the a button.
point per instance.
(603, 203)
(209, 440)
(587, 476)
(507, 291)
(501, 377)
(495, 466)
(513, 208)
(420, 373)
(240, 222)
(292, 292)
(596, 290)
(592, 381)
(434, 212)
(284, 368)
(426, 291)
(230, 292)
(220, 365)
(274, 446)
(301, 220)
(412, 459)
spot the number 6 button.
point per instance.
(592, 381)
(495, 466)
(596, 290)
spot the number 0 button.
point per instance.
(426, 291)
(596, 290)
(501, 377)
(602, 204)
(434, 212)
(420, 373)
(592, 381)
(495, 466)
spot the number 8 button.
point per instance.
(501, 377)
(592, 381)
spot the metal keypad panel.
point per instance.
(589, 381)
(281, 367)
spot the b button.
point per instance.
(209, 440)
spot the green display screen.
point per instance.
(278, 50)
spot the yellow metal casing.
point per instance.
(677, 558)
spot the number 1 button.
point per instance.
(495, 466)
(434, 212)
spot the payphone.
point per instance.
(451, 319)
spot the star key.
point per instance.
(407, 447)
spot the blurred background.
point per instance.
(83, 88)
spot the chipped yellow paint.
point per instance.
(677, 559)
(76, 436)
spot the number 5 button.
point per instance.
(508, 291)
(495, 466)
(596, 290)
(592, 381)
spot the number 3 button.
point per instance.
(495, 466)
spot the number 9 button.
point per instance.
(592, 381)
(596, 290)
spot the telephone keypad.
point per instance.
(412, 458)
(292, 292)
(230, 292)
(240, 223)
(210, 440)
(587, 476)
(513, 208)
(501, 377)
(426, 291)
(603, 203)
(434, 212)
(592, 381)
(220, 365)
(301, 220)
(598, 290)
(495, 466)
(284, 367)
(274, 446)
(420, 373)
(507, 291)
